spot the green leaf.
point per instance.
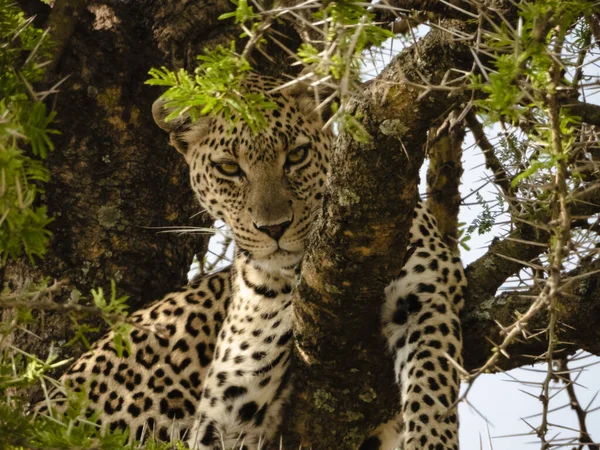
(25, 137)
(215, 87)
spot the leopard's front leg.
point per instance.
(249, 378)
(421, 322)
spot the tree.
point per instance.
(525, 67)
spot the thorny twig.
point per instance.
(492, 162)
(209, 266)
(565, 375)
(562, 233)
(560, 242)
(42, 301)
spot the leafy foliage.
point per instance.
(243, 13)
(116, 306)
(484, 222)
(24, 136)
(216, 87)
(19, 369)
(350, 30)
(519, 86)
(72, 432)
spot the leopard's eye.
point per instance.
(229, 168)
(297, 155)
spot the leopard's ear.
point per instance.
(182, 131)
(313, 95)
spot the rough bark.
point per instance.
(344, 383)
(443, 178)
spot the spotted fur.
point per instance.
(211, 362)
(249, 378)
(155, 387)
(421, 323)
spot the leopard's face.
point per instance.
(267, 186)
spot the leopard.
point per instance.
(212, 362)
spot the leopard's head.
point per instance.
(266, 186)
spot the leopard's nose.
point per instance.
(274, 231)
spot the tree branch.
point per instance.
(443, 178)
(584, 436)
(453, 9)
(63, 19)
(341, 388)
(588, 112)
(578, 315)
(491, 161)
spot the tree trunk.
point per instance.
(115, 184)
(345, 385)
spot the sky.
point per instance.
(499, 407)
